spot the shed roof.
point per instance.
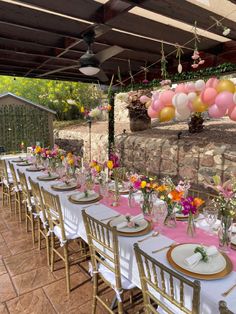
(39, 38)
(27, 101)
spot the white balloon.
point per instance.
(183, 115)
(234, 98)
(199, 85)
(192, 96)
(180, 100)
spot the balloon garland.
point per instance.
(218, 97)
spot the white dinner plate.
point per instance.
(142, 225)
(215, 264)
(63, 186)
(122, 189)
(46, 177)
(24, 164)
(80, 196)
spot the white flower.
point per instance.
(94, 113)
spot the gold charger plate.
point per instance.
(228, 269)
(24, 164)
(47, 178)
(69, 187)
(18, 160)
(35, 169)
(83, 202)
(134, 234)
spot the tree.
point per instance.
(66, 98)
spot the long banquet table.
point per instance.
(210, 290)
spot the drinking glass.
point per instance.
(211, 218)
(159, 212)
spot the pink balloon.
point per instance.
(224, 99)
(208, 95)
(166, 96)
(190, 87)
(143, 99)
(231, 108)
(212, 82)
(155, 95)
(216, 112)
(181, 88)
(233, 114)
(157, 105)
(152, 113)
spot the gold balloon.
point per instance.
(198, 105)
(148, 103)
(225, 85)
(167, 114)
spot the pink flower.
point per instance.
(194, 65)
(201, 62)
(131, 224)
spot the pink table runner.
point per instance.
(178, 234)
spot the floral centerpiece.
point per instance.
(225, 203)
(190, 207)
(98, 174)
(147, 186)
(117, 172)
(71, 162)
(172, 195)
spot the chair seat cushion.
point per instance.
(70, 233)
(110, 277)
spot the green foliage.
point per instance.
(66, 98)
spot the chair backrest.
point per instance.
(163, 288)
(53, 210)
(205, 195)
(5, 170)
(37, 196)
(1, 169)
(14, 177)
(25, 188)
(103, 245)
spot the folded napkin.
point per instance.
(133, 219)
(194, 259)
(233, 228)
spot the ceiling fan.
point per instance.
(90, 63)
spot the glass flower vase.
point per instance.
(170, 220)
(191, 228)
(116, 193)
(146, 204)
(224, 233)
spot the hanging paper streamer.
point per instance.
(196, 55)
(164, 62)
(131, 74)
(145, 70)
(179, 53)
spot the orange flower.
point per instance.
(62, 157)
(162, 188)
(197, 202)
(176, 195)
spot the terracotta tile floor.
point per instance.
(26, 283)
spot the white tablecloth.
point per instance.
(210, 290)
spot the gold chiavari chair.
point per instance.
(40, 216)
(7, 195)
(28, 204)
(104, 251)
(159, 290)
(64, 233)
(1, 170)
(17, 192)
(223, 308)
(203, 194)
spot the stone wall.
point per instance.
(99, 139)
(179, 158)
